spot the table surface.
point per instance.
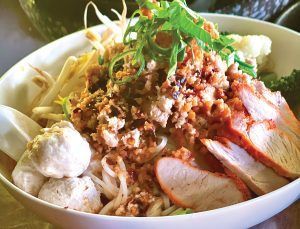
(17, 39)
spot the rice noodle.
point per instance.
(107, 208)
(111, 192)
(123, 186)
(169, 210)
(122, 178)
(176, 211)
(155, 208)
(118, 199)
(161, 145)
(42, 110)
(107, 168)
(51, 116)
(166, 200)
(121, 193)
(111, 183)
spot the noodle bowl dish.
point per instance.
(162, 115)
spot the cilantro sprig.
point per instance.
(182, 24)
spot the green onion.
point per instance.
(246, 68)
(126, 79)
(181, 211)
(157, 48)
(100, 60)
(66, 107)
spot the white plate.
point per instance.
(17, 91)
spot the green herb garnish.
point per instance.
(100, 60)
(120, 57)
(289, 86)
(182, 25)
(65, 104)
(66, 107)
(182, 211)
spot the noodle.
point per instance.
(155, 208)
(159, 147)
(166, 200)
(122, 193)
(122, 177)
(169, 210)
(42, 110)
(107, 208)
(54, 117)
(118, 199)
(110, 182)
(123, 186)
(107, 168)
(111, 192)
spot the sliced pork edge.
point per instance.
(277, 100)
(266, 143)
(200, 190)
(259, 178)
(261, 108)
(278, 146)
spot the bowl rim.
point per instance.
(294, 7)
(270, 195)
(149, 218)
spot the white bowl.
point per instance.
(16, 90)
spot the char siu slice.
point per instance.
(200, 190)
(272, 137)
(259, 178)
(269, 106)
(279, 101)
(279, 148)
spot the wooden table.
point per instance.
(17, 39)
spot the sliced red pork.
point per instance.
(266, 143)
(268, 106)
(271, 132)
(276, 99)
(259, 178)
(279, 148)
(200, 190)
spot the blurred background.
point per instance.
(26, 25)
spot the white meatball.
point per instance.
(75, 193)
(26, 177)
(60, 152)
